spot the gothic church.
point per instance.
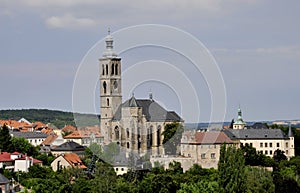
(136, 124)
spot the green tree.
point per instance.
(104, 178)
(231, 170)
(5, 144)
(21, 145)
(172, 137)
(202, 186)
(259, 180)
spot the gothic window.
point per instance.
(104, 87)
(116, 69)
(112, 69)
(127, 133)
(117, 132)
(107, 101)
(102, 69)
(106, 69)
(158, 135)
(115, 85)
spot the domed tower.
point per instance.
(239, 123)
(110, 87)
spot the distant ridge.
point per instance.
(55, 117)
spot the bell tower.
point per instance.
(110, 87)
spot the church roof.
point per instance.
(151, 109)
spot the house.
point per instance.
(204, 146)
(17, 161)
(136, 124)
(67, 160)
(86, 136)
(68, 147)
(34, 138)
(4, 184)
(263, 139)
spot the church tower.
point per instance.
(110, 87)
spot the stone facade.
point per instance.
(136, 124)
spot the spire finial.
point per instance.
(108, 31)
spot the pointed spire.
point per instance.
(108, 31)
(132, 102)
(290, 134)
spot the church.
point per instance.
(136, 124)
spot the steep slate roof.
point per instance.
(211, 137)
(151, 109)
(69, 146)
(259, 126)
(29, 135)
(255, 134)
(3, 179)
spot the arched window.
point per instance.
(112, 69)
(107, 101)
(149, 135)
(102, 69)
(128, 145)
(116, 69)
(158, 135)
(117, 133)
(104, 87)
(106, 69)
(127, 133)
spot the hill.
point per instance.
(55, 117)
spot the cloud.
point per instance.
(69, 21)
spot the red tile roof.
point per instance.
(74, 160)
(84, 132)
(68, 128)
(49, 140)
(211, 137)
(5, 157)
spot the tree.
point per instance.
(231, 124)
(279, 156)
(259, 180)
(200, 187)
(21, 145)
(172, 137)
(231, 170)
(5, 137)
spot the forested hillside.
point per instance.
(57, 118)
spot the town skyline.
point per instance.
(42, 50)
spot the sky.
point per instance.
(255, 44)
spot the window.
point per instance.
(107, 101)
(286, 152)
(270, 144)
(266, 144)
(266, 152)
(104, 87)
(286, 144)
(261, 145)
(117, 133)
(116, 69)
(117, 169)
(122, 169)
(251, 144)
(127, 132)
(112, 69)
(277, 144)
(103, 69)
(213, 156)
(202, 155)
(128, 145)
(106, 69)
(271, 153)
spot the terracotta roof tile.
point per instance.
(49, 140)
(211, 137)
(68, 128)
(74, 160)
